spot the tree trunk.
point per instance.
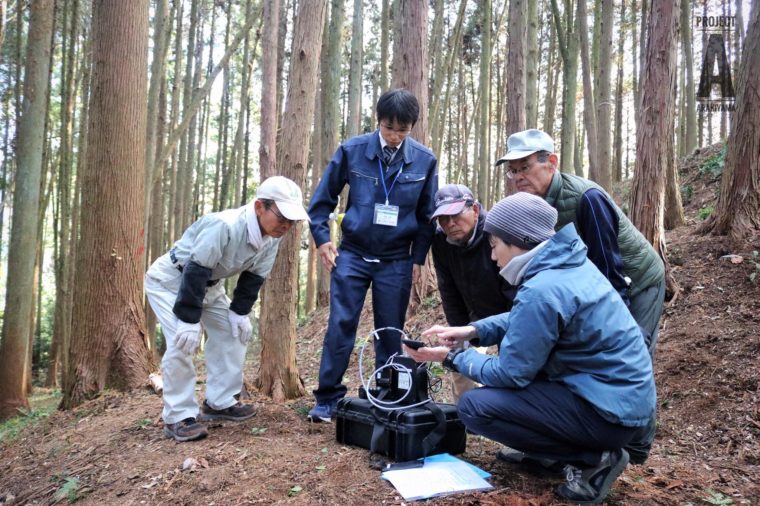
(604, 102)
(516, 83)
(617, 160)
(184, 172)
(568, 47)
(738, 211)
(76, 207)
(108, 320)
(279, 373)
(14, 347)
(690, 110)
(268, 139)
(385, 31)
(62, 317)
(157, 76)
(312, 269)
(484, 158)
(654, 138)
(410, 59)
(353, 125)
(532, 65)
(410, 71)
(590, 111)
(550, 102)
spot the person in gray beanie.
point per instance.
(573, 381)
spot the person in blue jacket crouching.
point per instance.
(573, 378)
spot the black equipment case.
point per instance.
(404, 434)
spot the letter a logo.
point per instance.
(715, 50)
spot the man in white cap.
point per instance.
(184, 290)
(620, 252)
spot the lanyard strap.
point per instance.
(382, 179)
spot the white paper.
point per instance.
(435, 479)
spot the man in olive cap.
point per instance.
(468, 280)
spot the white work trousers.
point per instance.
(224, 354)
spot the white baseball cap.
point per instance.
(286, 194)
(523, 144)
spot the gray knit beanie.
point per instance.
(522, 219)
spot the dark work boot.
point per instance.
(185, 430)
(236, 413)
(591, 485)
(534, 465)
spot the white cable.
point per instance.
(379, 403)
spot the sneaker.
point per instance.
(591, 485)
(534, 465)
(322, 412)
(236, 413)
(185, 430)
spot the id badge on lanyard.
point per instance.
(386, 214)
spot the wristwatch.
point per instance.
(448, 362)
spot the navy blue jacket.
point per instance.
(598, 227)
(358, 163)
(468, 280)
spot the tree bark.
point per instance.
(410, 59)
(617, 157)
(62, 315)
(410, 71)
(353, 125)
(532, 66)
(269, 111)
(108, 321)
(568, 47)
(590, 111)
(654, 137)
(738, 211)
(690, 109)
(604, 102)
(279, 373)
(484, 158)
(14, 347)
(516, 83)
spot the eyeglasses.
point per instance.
(401, 131)
(280, 218)
(514, 172)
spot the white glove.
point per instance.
(241, 326)
(188, 336)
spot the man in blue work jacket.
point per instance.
(386, 234)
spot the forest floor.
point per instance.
(112, 451)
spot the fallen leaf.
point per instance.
(674, 484)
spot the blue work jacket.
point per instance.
(411, 181)
(569, 325)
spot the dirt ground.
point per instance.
(111, 450)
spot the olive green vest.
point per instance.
(640, 261)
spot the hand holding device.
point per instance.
(413, 344)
